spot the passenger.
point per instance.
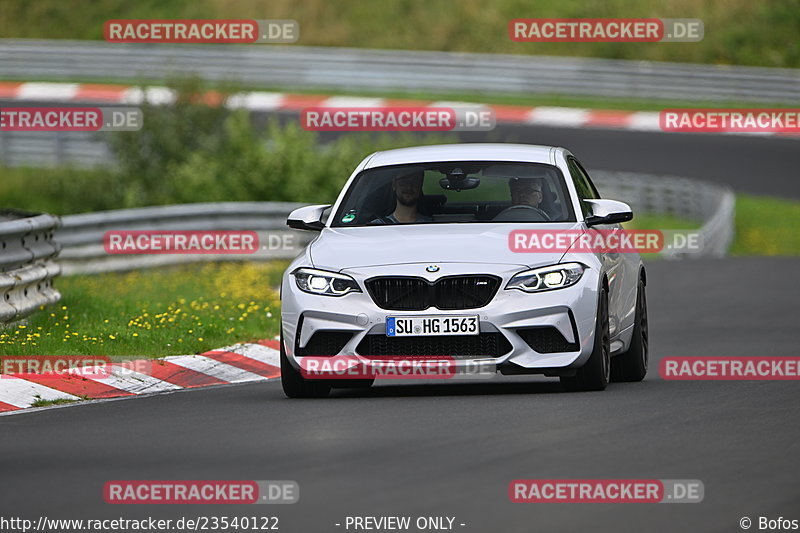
(407, 190)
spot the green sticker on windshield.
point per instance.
(349, 217)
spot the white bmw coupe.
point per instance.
(417, 258)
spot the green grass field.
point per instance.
(736, 31)
(177, 310)
(766, 226)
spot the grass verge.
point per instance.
(736, 31)
(40, 402)
(177, 310)
(766, 226)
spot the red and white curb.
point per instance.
(565, 117)
(240, 363)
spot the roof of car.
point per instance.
(463, 152)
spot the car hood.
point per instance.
(344, 248)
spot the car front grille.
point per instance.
(483, 345)
(546, 339)
(418, 294)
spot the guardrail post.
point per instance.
(27, 263)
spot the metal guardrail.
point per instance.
(81, 236)
(380, 70)
(40, 149)
(30, 244)
(710, 204)
(27, 265)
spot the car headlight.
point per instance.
(547, 278)
(323, 282)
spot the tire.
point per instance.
(632, 364)
(596, 373)
(296, 386)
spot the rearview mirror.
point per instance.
(457, 180)
(456, 184)
(608, 212)
(307, 218)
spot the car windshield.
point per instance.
(460, 192)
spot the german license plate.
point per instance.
(412, 326)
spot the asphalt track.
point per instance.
(433, 449)
(452, 449)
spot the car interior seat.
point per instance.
(548, 205)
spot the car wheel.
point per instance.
(296, 386)
(596, 373)
(632, 364)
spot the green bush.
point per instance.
(58, 190)
(191, 152)
(169, 137)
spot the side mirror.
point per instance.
(608, 212)
(308, 218)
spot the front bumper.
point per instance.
(512, 316)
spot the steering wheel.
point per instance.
(522, 213)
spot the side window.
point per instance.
(588, 179)
(583, 184)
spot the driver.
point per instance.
(526, 201)
(407, 190)
(526, 191)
